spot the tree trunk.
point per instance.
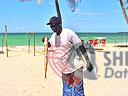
(58, 10)
(124, 11)
(6, 34)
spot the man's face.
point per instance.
(55, 27)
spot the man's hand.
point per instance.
(84, 52)
(43, 39)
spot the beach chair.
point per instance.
(91, 41)
(95, 42)
(103, 42)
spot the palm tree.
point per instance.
(124, 10)
(58, 10)
(125, 16)
(71, 3)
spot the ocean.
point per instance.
(21, 39)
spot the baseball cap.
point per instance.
(54, 20)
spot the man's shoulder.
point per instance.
(67, 30)
(53, 34)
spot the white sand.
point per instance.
(22, 74)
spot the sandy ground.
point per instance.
(22, 74)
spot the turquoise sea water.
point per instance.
(20, 39)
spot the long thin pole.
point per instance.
(45, 56)
(2, 41)
(29, 45)
(34, 43)
(2, 45)
(6, 34)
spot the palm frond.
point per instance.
(73, 4)
(39, 1)
(126, 1)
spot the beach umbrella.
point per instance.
(124, 10)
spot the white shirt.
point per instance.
(66, 38)
(61, 45)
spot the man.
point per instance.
(72, 76)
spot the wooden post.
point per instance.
(6, 34)
(45, 56)
(3, 42)
(2, 45)
(34, 42)
(29, 45)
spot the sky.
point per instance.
(89, 16)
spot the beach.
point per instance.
(22, 74)
(26, 24)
